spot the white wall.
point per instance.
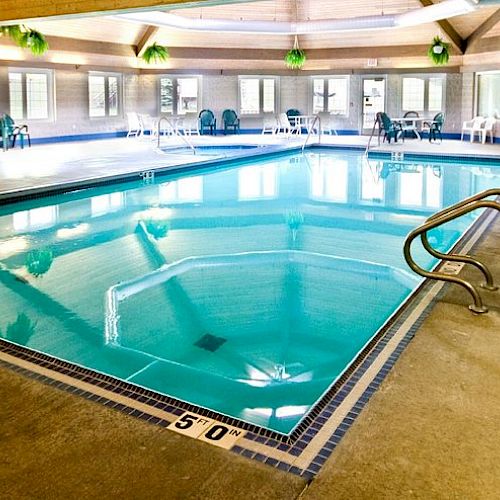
(141, 94)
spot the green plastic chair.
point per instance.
(231, 120)
(207, 121)
(12, 131)
(391, 129)
(435, 127)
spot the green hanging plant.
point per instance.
(14, 32)
(38, 262)
(155, 54)
(439, 51)
(296, 57)
(33, 40)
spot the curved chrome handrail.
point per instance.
(446, 215)
(317, 118)
(175, 131)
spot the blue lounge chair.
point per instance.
(207, 121)
(231, 120)
(12, 131)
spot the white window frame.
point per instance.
(426, 78)
(326, 79)
(51, 86)
(261, 79)
(477, 93)
(175, 97)
(106, 76)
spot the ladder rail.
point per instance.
(446, 215)
(175, 131)
(466, 259)
(317, 118)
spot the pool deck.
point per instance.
(430, 431)
(54, 164)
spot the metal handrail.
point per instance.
(175, 131)
(446, 215)
(317, 118)
(375, 122)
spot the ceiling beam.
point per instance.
(146, 39)
(61, 45)
(13, 11)
(482, 29)
(456, 40)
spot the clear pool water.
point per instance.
(247, 290)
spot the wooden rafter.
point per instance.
(146, 39)
(482, 29)
(29, 10)
(456, 40)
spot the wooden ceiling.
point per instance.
(112, 31)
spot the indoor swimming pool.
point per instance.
(247, 288)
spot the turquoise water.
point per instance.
(211, 151)
(247, 290)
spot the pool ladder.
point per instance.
(447, 214)
(174, 131)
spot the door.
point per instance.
(373, 101)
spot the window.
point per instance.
(31, 94)
(179, 95)
(329, 179)
(420, 188)
(36, 218)
(188, 190)
(101, 205)
(488, 93)
(257, 182)
(423, 94)
(330, 95)
(104, 95)
(257, 95)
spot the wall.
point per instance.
(220, 92)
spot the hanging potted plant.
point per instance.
(155, 54)
(33, 40)
(439, 51)
(296, 57)
(26, 38)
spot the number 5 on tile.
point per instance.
(191, 425)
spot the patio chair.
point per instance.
(13, 131)
(135, 127)
(270, 125)
(148, 125)
(391, 130)
(207, 121)
(488, 128)
(286, 126)
(435, 127)
(292, 115)
(231, 120)
(410, 126)
(473, 127)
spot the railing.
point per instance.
(317, 118)
(174, 131)
(441, 217)
(375, 122)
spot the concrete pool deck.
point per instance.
(430, 431)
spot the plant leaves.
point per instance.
(295, 58)
(34, 41)
(442, 58)
(155, 54)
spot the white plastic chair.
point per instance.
(473, 127)
(135, 128)
(270, 125)
(286, 126)
(149, 125)
(190, 126)
(489, 128)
